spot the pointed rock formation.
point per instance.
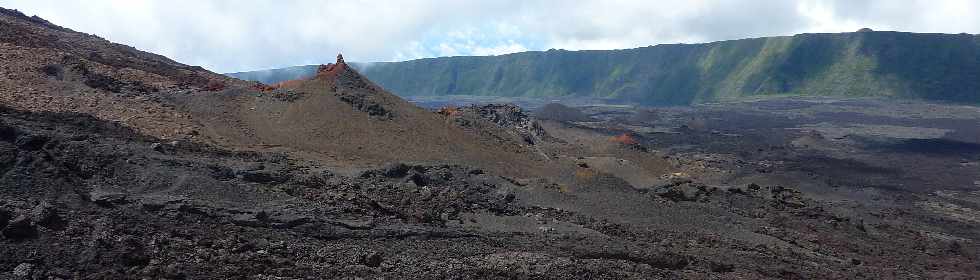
(332, 70)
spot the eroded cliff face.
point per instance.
(938, 67)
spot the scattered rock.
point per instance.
(685, 192)
(365, 103)
(787, 196)
(683, 189)
(24, 270)
(425, 193)
(45, 214)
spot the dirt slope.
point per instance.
(341, 115)
(337, 116)
(49, 68)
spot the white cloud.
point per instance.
(225, 35)
(509, 47)
(447, 50)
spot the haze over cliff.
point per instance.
(942, 67)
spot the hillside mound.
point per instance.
(337, 115)
(340, 115)
(54, 69)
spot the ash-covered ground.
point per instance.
(743, 192)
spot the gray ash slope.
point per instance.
(89, 198)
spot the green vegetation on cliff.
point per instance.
(942, 67)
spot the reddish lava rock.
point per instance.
(263, 87)
(331, 71)
(215, 85)
(626, 138)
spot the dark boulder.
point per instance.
(4, 217)
(31, 142)
(106, 198)
(263, 176)
(19, 228)
(396, 170)
(54, 70)
(371, 259)
(8, 133)
(8, 155)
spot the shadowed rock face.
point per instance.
(509, 117)
(348, 85)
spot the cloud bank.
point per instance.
(228, 36)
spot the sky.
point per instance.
(230, 36)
